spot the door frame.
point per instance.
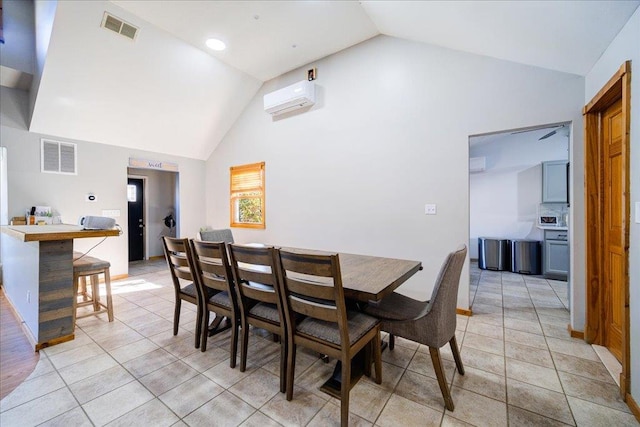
(617, 88)
(145, 214)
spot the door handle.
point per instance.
(141, 225)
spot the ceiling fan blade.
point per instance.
(553, 132)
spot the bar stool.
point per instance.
(91, 267)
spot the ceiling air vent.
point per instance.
(117, 25)
(58, 157)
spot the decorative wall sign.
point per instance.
(152, 164)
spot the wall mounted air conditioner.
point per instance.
(477, 164)
(290, 98)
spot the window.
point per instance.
(247, 196)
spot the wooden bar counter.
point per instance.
(37, 277)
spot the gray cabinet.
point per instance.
(555, 255)
(554, 181)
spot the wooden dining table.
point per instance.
(365, 278)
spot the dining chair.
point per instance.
(213, 278)
(178, 255)
(312, 287)
(255, 277)
(221, 235)
(431, 323)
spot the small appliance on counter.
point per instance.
(553, 215)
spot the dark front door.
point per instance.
(135, 195)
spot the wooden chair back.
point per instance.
(211, 266)
(255, 274)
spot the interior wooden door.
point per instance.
(613, 179)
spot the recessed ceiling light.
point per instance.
(216, 44)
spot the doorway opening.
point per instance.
(607, 215)
(153, 214)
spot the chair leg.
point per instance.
(291, 367)
(456, 354)
(107, 286)
(244, 343)
(344, 392)
(283, 365)
(204, 324)
(442, 382)
(392, 341)
(377, 357)
(95, 292)
(234, 342)
(176, 315)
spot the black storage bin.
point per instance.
(526, 256)
(493, 254)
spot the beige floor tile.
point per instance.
(609, 361)
(304, 360)
(202, 361)
(520, 417)
(477, 409)
(32, 389)
(75, 417)
(81, 339)
(525, 338)
(257, 388)
(485, 329)
(43, 366)
(367, 400)
(154, 413)
(582, 367)
(533, 374)
(183, 347)
(521, 313)
(449, 421)
(315, 376)
(539, 400)
(482, 382)
(602, 393)
(590, 414)
(556, 331)
(532, 327)
(422, 364)
(486, 344)
(153, 328)
(101, 383)
(482, 360)
(190, 395)
(329, 415)
(525, 353)
(420, 389)
(116, 403)
(405, 412)
(258, 419)
(168, 377)
(86, 368)
(39, 410)
(225, 376)
(75, 355)
(223, 410)
(400, 356)
(575, 347)
(149, 362)
(119, 339)
(299, 411)
(131, 351)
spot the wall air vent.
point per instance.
(58, 157)
(117, 25)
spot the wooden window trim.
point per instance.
(235, 171)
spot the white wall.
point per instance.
(626, 46)
(504, 199)
(102, 170)
(388, 134)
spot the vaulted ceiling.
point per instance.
(167, 92)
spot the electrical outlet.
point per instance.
(430, 209)
(112, 213)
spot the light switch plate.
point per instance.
(430, 209)
(113, 213)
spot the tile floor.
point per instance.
(522, 368)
